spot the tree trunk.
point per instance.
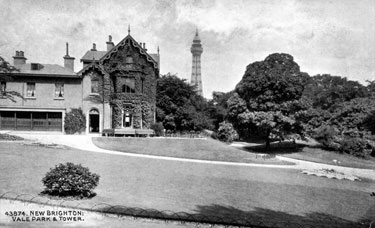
(268, 141)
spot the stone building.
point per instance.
(116, 89)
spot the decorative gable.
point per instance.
(128, 55)
(129, 77)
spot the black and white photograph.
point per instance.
(187, 113)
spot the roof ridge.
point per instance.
(135, 44)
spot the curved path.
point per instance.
(84, 142)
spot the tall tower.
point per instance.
(196, 76)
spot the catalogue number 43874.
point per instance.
(15, 213)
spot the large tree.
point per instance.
(326, 90)
(218, 107)
(268, 98)
(5, 69)
(354, 115)
(178, 105)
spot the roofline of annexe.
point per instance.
(42, 75)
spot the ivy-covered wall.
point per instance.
(129, 61)
(142, 112)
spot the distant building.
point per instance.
(196, 75)
(116, 89)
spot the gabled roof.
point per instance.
(93, 55)
(93, 65)
(135, 44)
(44, 70)
(155, 57)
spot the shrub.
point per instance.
(357, 147)
(70, 180)
(75, 121)
(326, 135)
(158, 129)
(226, 132)
(372, 144)
(214, 135)
(369, 122)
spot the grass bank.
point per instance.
(327, 157)
(230, 191)
(309, 153)
(202, 149)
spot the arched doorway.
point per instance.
(94, 121)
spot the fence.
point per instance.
(183, 217)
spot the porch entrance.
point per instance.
(127, 120)
(93, 121)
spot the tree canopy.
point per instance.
(268, 97)
(268, 84)
(5, 69)
(218, 107)
(353, 115)
(326, 90)
(178, 105)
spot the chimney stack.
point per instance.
(19, 58)
(144, 46)
(93, 47)
(109, 43)
(68, 61)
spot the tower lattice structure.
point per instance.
(196, 75)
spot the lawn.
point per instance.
(327, 157)
(204, 149)
(204, 189)
(313, 154)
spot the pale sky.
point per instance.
(335, 37)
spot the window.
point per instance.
(94, 85)
(3, 87)
(30, 89)
(129, 86)
(129, 62)
(129, 59)
(142, 82)
(34, 66)
(59, 90)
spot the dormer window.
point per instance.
(36, 66)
